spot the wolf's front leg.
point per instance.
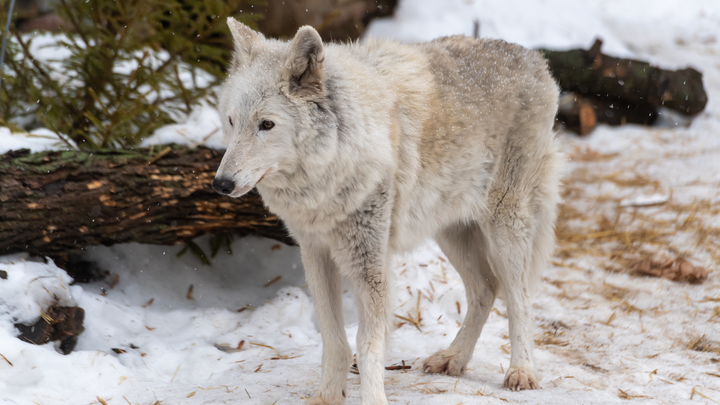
(323, 280)
(361, 254)
(370, 289)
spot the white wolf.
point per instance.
(365, 150)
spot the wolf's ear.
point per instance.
(244, 38)
(305, 64)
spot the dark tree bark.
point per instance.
(335, 20)
(591, 73)
(582, 114)
(57, 323)
(59, 202)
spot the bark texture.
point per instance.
(58, 323)
(581, 114)
(602, 89)
(593, 74)
(335, 20)
(59, 202)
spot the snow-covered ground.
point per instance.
(603, 335)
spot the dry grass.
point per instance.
(595, 230)
(702, 344)
(597, 225)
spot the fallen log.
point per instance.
(58, 202)
(581, 114)
(591, 73)
(335, 20)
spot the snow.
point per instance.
(30, 287)
(37, 140)
(604, 334)
(202, 127)
(642, 200)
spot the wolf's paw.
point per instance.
(518, 378)
(445, 361)
(322, 400)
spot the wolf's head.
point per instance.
(273, 109)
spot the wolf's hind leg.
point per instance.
(520, 230)
(325, 286)
(510, 257)
(522, 240)
(464, 245)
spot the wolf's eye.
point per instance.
(230, 119)
(266, 125)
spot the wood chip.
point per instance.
(610, 319)
(228, 349)
(702, 344)
(595, 368)
(262, 345)
(102, 401)
(678, 269)
(283, 357)
(160, 155)
(273, 281)
(412, 321)
(625, 395)
(695, 391)
(118, 351)
(94, 184)
(190, 293)
(398, 367)
(175, 373)
(224, 347)
(150, 302)
(588, 119)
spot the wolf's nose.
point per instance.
(223, 186)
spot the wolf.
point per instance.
(365, 150)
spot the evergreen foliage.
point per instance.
(127, 68)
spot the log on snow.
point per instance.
(335, 20)
(59, 202)
(582, 114)
(591, 73)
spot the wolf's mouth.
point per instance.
(263, 176)
(239, 192)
